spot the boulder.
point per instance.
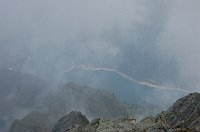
(73, 121)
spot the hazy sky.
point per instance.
(149, 40)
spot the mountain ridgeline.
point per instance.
(92, 102)
(28, 105)
(182, 116)
(31, 99)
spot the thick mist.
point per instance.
(153, 41)
(144, 52)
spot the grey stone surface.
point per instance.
(74, 120)
(182, 116)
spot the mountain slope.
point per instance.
(183, 115)
(185, 112)
(92, 102)
(18, 95)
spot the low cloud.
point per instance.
(147, 40)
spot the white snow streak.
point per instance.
(127, 77)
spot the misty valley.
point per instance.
(99, 66)
(27, 104)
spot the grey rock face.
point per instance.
(92, 126)
(125, 124)
(183, 116)
(185, 113)
(75, 120)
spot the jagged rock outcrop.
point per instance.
(76, 122)
(94, 103)
(73, 120)
(92, 126)
(70, 123)
(185, 113)
(183, 116)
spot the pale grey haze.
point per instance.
(147, 40)
(150, 46)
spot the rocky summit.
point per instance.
(73, 120)
(183, 116)
(185, 113)
(76, 122)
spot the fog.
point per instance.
(154, 42)
(145, 52)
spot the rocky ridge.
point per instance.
(90, 101)
(183, 116)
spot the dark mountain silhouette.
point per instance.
(27, 97)
(92, 102)
(183, 116)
